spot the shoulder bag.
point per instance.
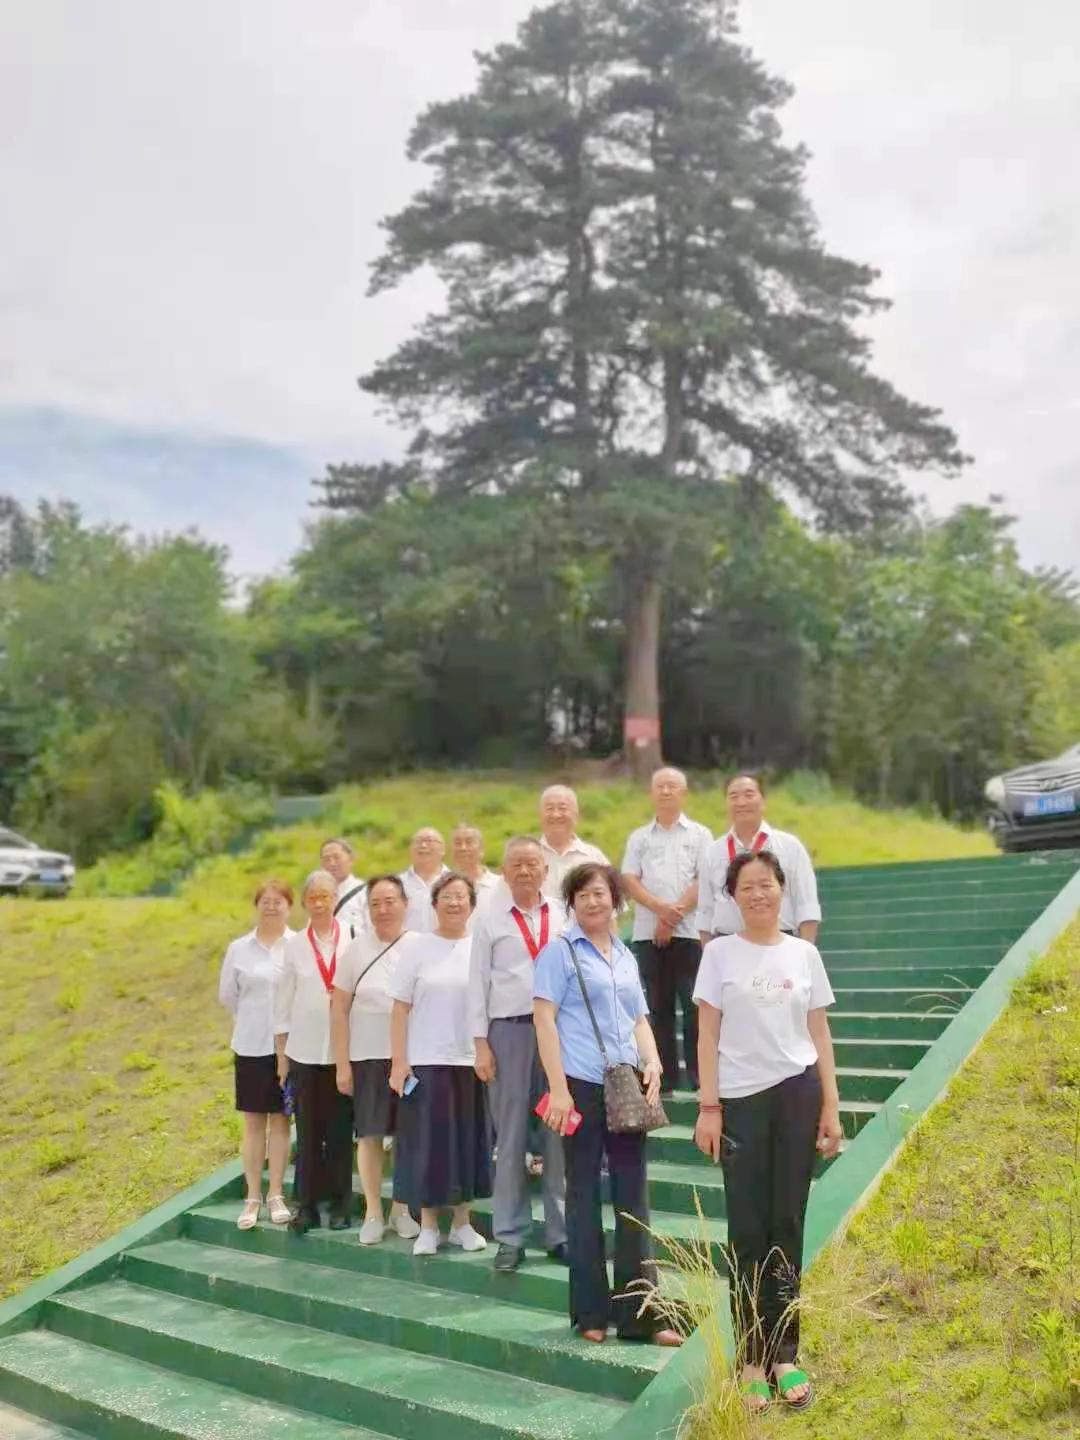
(372, 963)
(628, 1109)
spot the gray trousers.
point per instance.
(519, 1082)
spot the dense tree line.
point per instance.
(427, 635)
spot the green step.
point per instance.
(880, 1054)
(18, 1425)
(539, 1282)
(1029, 901)
(902, 956)
(672, 1185)
(865, 1083)
(396, 1391)
(421, 1318)
(116, 1397)
(940, 979)
(923, 929)
(942, 1000)
(886, 1025)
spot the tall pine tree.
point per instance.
(640, 317)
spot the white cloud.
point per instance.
(192, 194)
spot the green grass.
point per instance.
(115, 1077)
(951, 1308)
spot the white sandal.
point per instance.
(249, 1216)
(280, 1214)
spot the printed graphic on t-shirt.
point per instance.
(768, 991)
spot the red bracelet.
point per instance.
(709, 1109)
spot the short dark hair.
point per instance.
(754, 775)
(582, 875)
(338, 840)
(739, 864)
(394, 880)
(448, 879)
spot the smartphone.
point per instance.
(409, 1086)
(572, 1124)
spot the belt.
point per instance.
(513, 1019)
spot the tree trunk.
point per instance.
(641, 723)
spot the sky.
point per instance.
(191, 196)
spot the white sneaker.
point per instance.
(467, 1238)
(372, 1231)
(427, 1242)
(405, 1225)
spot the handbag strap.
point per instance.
(372, 963)
(351, 895)
(588, 1003)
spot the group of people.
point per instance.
(441, 1009)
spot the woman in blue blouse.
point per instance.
(574, 1067)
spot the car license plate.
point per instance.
(1050, 805)
(50, 877)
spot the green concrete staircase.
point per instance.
(185, 1327)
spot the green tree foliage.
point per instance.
(123, 666)
(638, 305)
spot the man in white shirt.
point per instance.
(467, 857)
(350, 907)
(426, 850)
(661, 870)
(800, 911)
(519, 922)
(559, 841)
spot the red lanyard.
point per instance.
(759, 844)
(527, 935)
(326, 971)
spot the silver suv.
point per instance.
(26, 869)
(1037, 805)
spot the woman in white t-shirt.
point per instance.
(360, 1031)
(769, 1104)
(249, 973)
(443, 1138)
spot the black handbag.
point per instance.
(625, 1102)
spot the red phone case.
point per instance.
(574, 1122)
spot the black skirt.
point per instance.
(443, 1151)
(257, 1088)
(375, 1106)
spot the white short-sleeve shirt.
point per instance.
(368, 961)
(667, 860)
(578, 852)
(302, 1001)
(351, 907)
(249, 975)
(717, 912)
(433, 977)
(420, 915)
(764, 994)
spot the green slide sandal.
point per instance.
(787, 1382)
(760, 1389)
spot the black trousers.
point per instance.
(324, 1139)
(668, 973)
(770, 1140)
(593, 1305)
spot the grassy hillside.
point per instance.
(381, 818)
(115, 1079)
(952, 1307)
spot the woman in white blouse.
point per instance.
(249, 973)
(769, 1104)
(360, 1030)
(444, 1139)
(302, 1037)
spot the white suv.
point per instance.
(27, 869)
